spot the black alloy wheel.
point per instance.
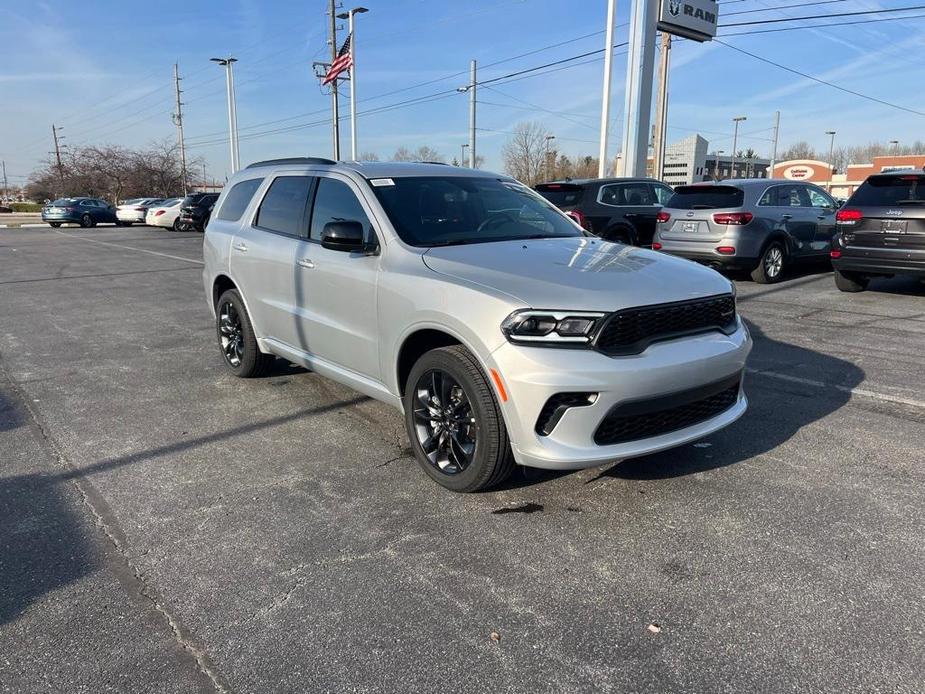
(86, 221)
(444, 422)
(236, 338)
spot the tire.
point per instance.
(772, 264)
(478, 424)
(850, 281)
(54, 225)
(236, 339)
(622, 235)
(205, 223)
(176, 225)
(87, 221)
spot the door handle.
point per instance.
(240, 247)
(306, 262)
(786, 216)
(822, 216)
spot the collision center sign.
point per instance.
(692, 19)
(799, 173)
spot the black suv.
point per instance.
(880, 232)
(195, 211)
(616, 209)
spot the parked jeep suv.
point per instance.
(195, 211)
(504, 332)
(757, 225)
(616, 209)
(881, 231)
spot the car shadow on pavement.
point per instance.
(9, 415)
(800, 391)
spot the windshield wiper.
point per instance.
(910, 202)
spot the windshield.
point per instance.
(884, 191)
(451, 210)
(560, 194)
(705, 197)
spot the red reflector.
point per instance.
(662, 217)
(835, 254)
(656, 246)
(733, 218)
(849, 216)
(159, 213)
(726, 250)
(552, 187)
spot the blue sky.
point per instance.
(103, 71)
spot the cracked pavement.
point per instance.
(165, 527)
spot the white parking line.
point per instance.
(844, 389)
(130, 248)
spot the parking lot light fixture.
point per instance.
(735, 140)
(462, 153)
(831, 134)
(228, 64)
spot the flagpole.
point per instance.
(353, 88)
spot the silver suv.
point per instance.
(502, 331)
(758, 225)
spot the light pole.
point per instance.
(895, 144)
(717, 170)
(831, 134)
(228, 64)
(353, 77)
(735, 140)
(462, 153)
(546, 166)
(605, 96)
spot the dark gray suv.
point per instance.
(758, 225)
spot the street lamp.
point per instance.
(895, 144)
(353, 77)
(462, 153)
(717, 170)
(735, 139)
(228, 64)
(546, 166)
(831, 133)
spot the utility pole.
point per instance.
(335, 106)
(776, 136)
(605, 92)
(5, 189)
(661, 109)
(735, 140)
(472, 83)
(640, 70)
(54, 134)
(462, 153)
(547, 169)
(178, 119)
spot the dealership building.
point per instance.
(687, 162)
(844, 184)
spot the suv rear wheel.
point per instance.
(850, 281)
(454, 422)
(771, 266)
(236, 338)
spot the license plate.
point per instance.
(690, 227)
(893, 226)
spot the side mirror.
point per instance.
(343, 236)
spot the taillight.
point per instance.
(726, 250)
(159, 213)
(662, 217)
(656, 246)
(835, 254)
(141, 209)
(733, 218)
(579, 217)
(848, 216)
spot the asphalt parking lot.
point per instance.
(165, 527)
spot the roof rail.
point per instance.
(291, 160)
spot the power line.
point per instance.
(783, 7)
(823, 26)
(820, 16)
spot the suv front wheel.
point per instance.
(454, 422)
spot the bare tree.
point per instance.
(422, 153)
(369, 156)
(799, 150)
(523, 154)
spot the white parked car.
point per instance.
(133, 211)
(165, 214)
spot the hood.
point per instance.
(577, 273)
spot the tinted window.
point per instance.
(63, 202)
(208, 200)
(627, 194)
(283, 206)
(706, 197)
(561, 194)
(237, 200)
(784, 196)
(435, 210)
(884, 191)
(663, 194)
(335, 202)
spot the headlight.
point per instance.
(552, 328)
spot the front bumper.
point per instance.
(534, 374)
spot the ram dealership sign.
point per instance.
(692, 19)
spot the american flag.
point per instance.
(343, 61)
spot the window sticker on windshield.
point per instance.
(382, 182)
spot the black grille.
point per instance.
(557, 406)
(631, 330)
(645, 418)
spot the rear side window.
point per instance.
(561, 194)
(627, 194)
(283, 207)
(336, 202)
(784, 196)
(885, 191)
(238, 198)
(706, 197)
